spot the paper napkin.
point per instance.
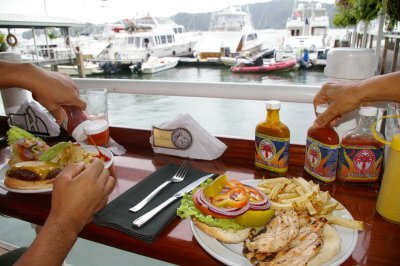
(184, 137)
(31, 117)
(116, 214)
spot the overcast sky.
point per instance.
(98, 11)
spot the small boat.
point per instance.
(273, 66)
(155, 64)
(230, 61)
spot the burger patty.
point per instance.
(27, 175)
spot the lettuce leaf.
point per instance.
(15, 133)
(53, 151)
(187, 209)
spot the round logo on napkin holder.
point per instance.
(182, 138)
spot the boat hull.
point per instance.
(278, 66)
(155, 64)
(72, 70)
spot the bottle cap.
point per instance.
(368, 111)
(321, 108)
(274, 105)
(95, 126)
(79, 133)
(395, 145)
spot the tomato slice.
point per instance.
(233, 198)
(234, 183)
(254, 194)
(21, 153)
(204, 209)
(255, 218)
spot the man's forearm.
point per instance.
(381, 88)
(51, 245)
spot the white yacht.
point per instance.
(231, 32)
(149, 36)
(308, 28)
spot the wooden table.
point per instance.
(377, 245)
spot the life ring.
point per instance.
(12, 40)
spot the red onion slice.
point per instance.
(231, 212)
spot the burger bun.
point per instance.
(16, 183)
(228, 236)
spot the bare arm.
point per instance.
(343, 98)
(78, 193)
(51, 89)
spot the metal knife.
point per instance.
(147, 216)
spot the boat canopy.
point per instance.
(28, 21)
(213, 41)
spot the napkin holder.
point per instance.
(184, 137)
(34, 119)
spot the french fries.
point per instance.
(301, 195)
(354, 224)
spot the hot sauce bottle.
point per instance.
(361, 155)
(80, 127)
(322, 149)
(76, 122)
(272, 141)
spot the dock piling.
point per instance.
(80, 63)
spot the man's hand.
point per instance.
(79, 192)
(53, 90)
(340, 97)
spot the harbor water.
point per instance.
(221, 117)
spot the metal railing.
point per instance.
(284, 93)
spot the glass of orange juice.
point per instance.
(97, 110)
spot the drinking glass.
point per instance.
(392, 125)
(96, 103)
(96, 110)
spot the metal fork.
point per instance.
(178, 177)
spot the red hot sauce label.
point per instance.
(321, 160)
(272, 153)
(359, 163)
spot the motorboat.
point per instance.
(264, 68)
(146, 37)
(231, 33)
(230, 61)
(307, 29)
(155, 64)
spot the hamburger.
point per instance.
(31, 175)
(34, 164)
(226, 209)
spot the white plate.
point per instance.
(231, 254)
(106, 152)
(89, 148)
(27, 191)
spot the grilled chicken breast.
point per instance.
(303, 248)
(282, 242)
(278, 234)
